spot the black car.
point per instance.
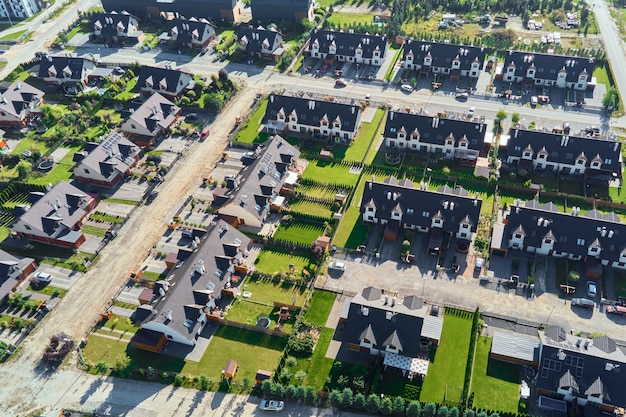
(192, 116)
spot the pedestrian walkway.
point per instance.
(121, 311)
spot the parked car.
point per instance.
(478, 265)
(471, 111)
(192, 116)
(533, 101)
(118, 70)
(592, 289)
(152, 196)
(324, 69)
(406, 87)
(583, 302)
(272, 405)
(339, 266)
(205, 133)
(340, 82)
(619, 310)
(462, 96)
(43, 277)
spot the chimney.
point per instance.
(391, 115)
(393, 301)
(611, 233)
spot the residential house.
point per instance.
(448, 138)
(444, 58)
(594, 237)
(598, 160)
(348, 47)
(216, 10)
(191, 33)
(401, 331)
(194, 291)
(581, 370)
(56, 216)
(21, 9)
(313, 118)
(260, 42)
(442, 214)
(520, 349)
(108, 162)
(18, 102)
(114, 26)
(66, 70)
(262, 187)
(279, 10)
(149, 122)
(164, 80)
(535, 69)
(13, 271)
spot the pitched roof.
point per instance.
(255, 40)
(384, 321)
(442, 54)
(110, 24)
(10, 269)
(573, 234)
(548, 66)
(19, 97)
(310, 112)
(565, 149)
(592, 370)
(347, 43)
(435, 130)
(420, 206)
(189, 290)
(264, 178)
(63, 66)
(155, 114)
(161, 78)
(276, 10)
(115, 154)
(189, 30)
(57, 212)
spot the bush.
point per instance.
(285, 375)
(386, 406)
(301, 375)
(290, 391)
(301, 344)
(359, 401)
(414, 409)
(102, 366)
(347, 398)
(429, 410)
(291, 361)
(204, 382)
(335, 398)
(398, 406)
(267, 387)
(373, 403)
(310, 395)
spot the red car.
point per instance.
(324, 69)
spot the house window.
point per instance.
(542, 156)
(86, 171)
(27, 227)
(370, 209)
(425, 214)
(437, 221)
(132, 126)
(465, 225)
(580, 242)
(594, 249)
(607, 161)
(548, 241)
(527, 154)
(409, 211)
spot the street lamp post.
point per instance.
(430, 175)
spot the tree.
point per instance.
(386, 406)
(122, 365)
(442, 411)
(500, 117)
(214, 101)
(360, 401)
(610, 100)
(398, 406)
(290, 391)
(347, 398)
(300, 393)
(373, 403)
(515, 118)
(204, 382)
(246, 383)
(336, 398)
(429, 410)
(301, 375)
(279, 391)
(310, 394)
(454, 412)
(469, 413)
(301, 344)
(267, 387)
(414, 409)
(23, 168)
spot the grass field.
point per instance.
(299, 232)
(319, 309)
(272, 261)
(351, 232)
(318, 366)
(30, 144)
(317, 191)
(343, 20)
(267, 291)
(447, 369)
(312, 207)
(330, 172)
(491, 376)
(364, 138)
(243, 311)
(249, 132)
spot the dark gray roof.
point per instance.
(347, 43)
(572, 234)
(189, 30)
(190, 291)
(10, 269)
(263, 179)
(420, 206)
(62, 66)
(384, 321)
(277, 10)
(110, 24)
(435, 130)
(592, 370)
(204, 8)
(160, 77)
(155, 114)
(114, 155)
(310, 112)
(257, 39)
(442, 54)
(515, 346)
(548, 66)
(565, 149)
(20, 98)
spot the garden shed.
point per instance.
(230, 369)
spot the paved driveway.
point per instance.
(61, 277)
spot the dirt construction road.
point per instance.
(78, 310)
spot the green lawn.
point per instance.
(267, 291)
(619, 278)
(14, 35)
(492, 376)
(317, 366)
(312, 207)
(243, 311)
(330, 172)
(447, 369)
(317, 191)
(364, 138)
(299, 232)
(94, 230)
(128, 93)
(352, 232)
(30, 144)
(62, 171)
(272, 261)
(249, 132)
(48, 290)
(345, 19)
(319, 309)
